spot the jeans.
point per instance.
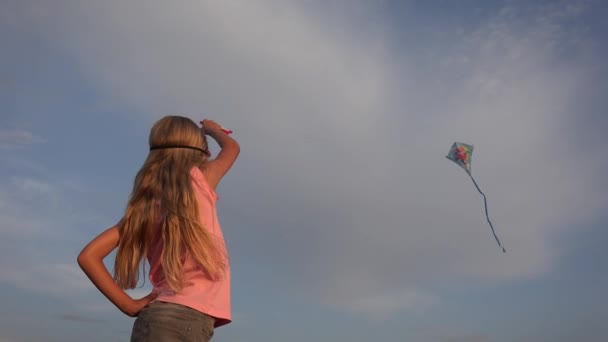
(168, 322)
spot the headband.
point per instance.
(160, 147)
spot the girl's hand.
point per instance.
(210, 126)
(138, 304)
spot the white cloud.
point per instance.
(464, 338)
(19, 211)
(342, 171)
(56, 279)
(7, 339)
(32, 207)
(37, 220)
(17, 137)
(383, 305)
(32, 185)
(65, 280)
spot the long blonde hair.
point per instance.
(162, 193)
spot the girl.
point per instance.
(171, 220)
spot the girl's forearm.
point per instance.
(101, 278)
(223, 140)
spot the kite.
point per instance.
(460, 154)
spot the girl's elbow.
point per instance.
(235, 146)
(83, 259)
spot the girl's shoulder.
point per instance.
(199, 179)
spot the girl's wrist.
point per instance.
(128, 306)
(213, 132)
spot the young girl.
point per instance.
(171, 220)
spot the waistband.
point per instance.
(177, 311)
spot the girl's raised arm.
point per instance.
(215, 169)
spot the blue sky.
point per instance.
(344, 220)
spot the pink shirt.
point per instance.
(211, 297)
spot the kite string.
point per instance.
(485, 202)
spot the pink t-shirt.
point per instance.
(211, 297)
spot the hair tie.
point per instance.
(161, 147)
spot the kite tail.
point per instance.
(485, 202)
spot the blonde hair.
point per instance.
(162, 194)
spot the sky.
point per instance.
(344, 219)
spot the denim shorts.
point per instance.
(168, 322)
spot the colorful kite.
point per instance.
(461, 154)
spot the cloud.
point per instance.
(382, 305)
(466, 338)
(18, 199)
(7, 339)
(32, 185)
(342, 185)
(37, 220)
(17, 138)
(61, 280)
(80, 318)
(33, 207)
(444, 333)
